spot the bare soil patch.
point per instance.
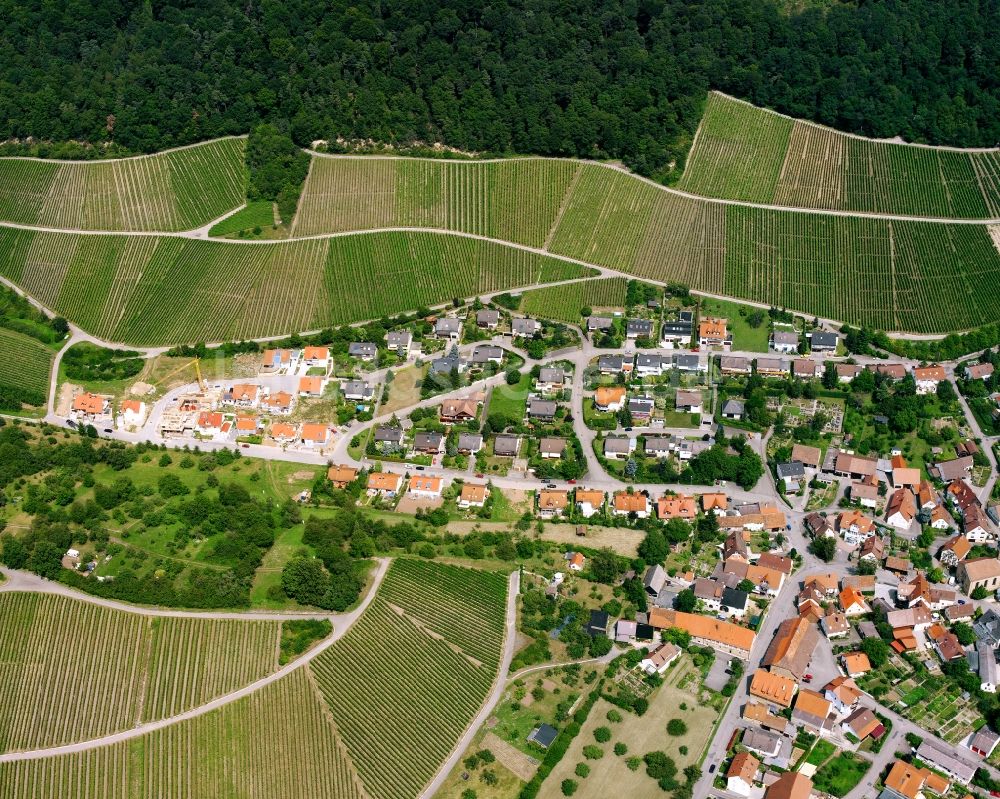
(520, 764)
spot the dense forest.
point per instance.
(618, 78)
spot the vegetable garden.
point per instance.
(71, 670)
(742, 152)
(176, 190)
(410, 675)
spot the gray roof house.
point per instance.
(638, 328)
(654, 579)
(506, 446)
(619, 446)
(365, 350)
(448, 327)
(541, 409)
(399, 341)
(487, 353)
(684, 362)
(822, 340)
(431, 441)
(470, 443)
(357, 390)
(551, 447)
(522, 326)
(488, 318)
(732, 409)
(444, 364)
(610, 364)
(388, 435)
(599, 322)
(551, 376)
(675, 331)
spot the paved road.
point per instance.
(341, 624)
(26, 581)
(499, 684)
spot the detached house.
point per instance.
(609, 399)
(786, 341)
(625, 504)
(927, 378)
(399, 342)
(525, 328)
(713, 333)
(448, 327)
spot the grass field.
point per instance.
(176, 190)
(564, 303)
(27, 363)
(146, 290)
(745, 337)
(71, 670)
(407, 679)
(231, 752)
(516, 200)
(746, 153)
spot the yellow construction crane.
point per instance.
(197, 370)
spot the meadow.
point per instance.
(411, 674)
(71, 670)
(27, 363)
(175, 190)
(564, 303)
(148, 290)
(742, 152)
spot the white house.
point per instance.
(659, 660)
(133, 414)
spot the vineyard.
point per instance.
(564, 303)
(71, 671)
(147, 290)
(232, 751)
(747, 153)
(26, 363)
(515, 200)
(409, 677)
(177, 190)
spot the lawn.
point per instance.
(511, 401)
(839, 775)
(256, 214)
(821, 752)
(745, 337)
(610, 776)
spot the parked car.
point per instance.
(480, 475)
(245, 446)
(571, 482)
(421, 468)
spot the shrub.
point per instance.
(592, 752)
(582, 770)
(676, 727)
(633, 763)
(614, 716)
(602, 735)
(568, 787)
(620, 749)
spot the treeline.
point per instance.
(19, 315)
(85, 361)
(612, 79)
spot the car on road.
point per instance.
(421, 468)
(480, 475)
(245, 446)
(711, 769)
(108, 430)
(571, 482)
(628, 429)
(807, 678)
(550, 485)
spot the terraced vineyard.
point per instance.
(146, 290)
(233, 751)
(564, 303)
(175, 190)
(515, 200)
(409, 677)
(26, 363)
(746, 153)
(71, 670)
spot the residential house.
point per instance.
(551, 448)
(314, 386)
(908, 781)
(823, 341)
(448, 327)
(978, 371)
(522, 327)
(791, 474)
(487, 318)
(654, 579)
(852, 603)
(469, 443)
(446, 364)
(425, 486)
(612, 364)
(927, 378)
(785, 341)
(956, 469)
(384, 483)
(818, 525)
(388, 439)
(248, 426)
(341, 476)
(709, 592)
(132, 413)
(688, 401)
(618, 447)
(733, 603)
(283, 432)
(946, 760)
(675, 332)
(961, 495)
(758, 713)
(812, 710)
(363, 350)
(790, 785)
(975, 525)
(506, 445)
(356, 390)
(274, 361)
(920, 591)
(638, 328)
(601, 323)
(872, 549)
(659, 660)
(904, 476)
(210, 423)
(773, 688)
(625, 504)
(735, 365)
(762, 743)
(773, 367)
(714, 502)
(979, 573)
(865, 493)
(916, 618)
(806, 368)
(597, 626)
(835, 625)
(856, 664)
(901, 510)
(658, 446)
(242, 395)
(550, 380)
(713, 333)
(810, 457)
(279, 403)
(954, 550)
(863, 723)
(733, 409)
(742, 773)
(609, 399)
(590, 502)
(552, 503)
(459, 410)
(541, 410)
(846, 372)
(640, 408)
(989, 672)
(316, 357)
(487, 353)
(428, 442)
(843, 694)
(399, 341)
(894, 371)
(791, 648)
(314, 435)
(473, 495)
(680, 506)
(855, 527)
